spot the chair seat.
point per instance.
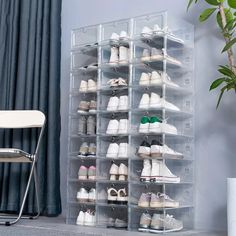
(14, 155)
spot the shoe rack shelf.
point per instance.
(135, 137)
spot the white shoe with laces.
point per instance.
(114, 171)
(146, 32)
(112, 151)
(123, 55)
(112, 127)
(114, 56)
(80, 218)
(83, 86)
(123, 150)
(92, 85)
(113, 104)
(144, 79)
(146, 172)
(144, 102)
(165, 175)
(123, 126)
(82, 195)
(123, 103)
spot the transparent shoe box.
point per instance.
(86, 36)
(90, 59)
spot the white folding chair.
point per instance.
(22, 119)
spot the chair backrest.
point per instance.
(21, 119)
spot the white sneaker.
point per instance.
(83, 86)
(157, 54)
(156, 78)
(123, 172)
(166, 175)
(124, 36)
(114, 38)
(144, 102)
(144, 125)
(144, 149)
(92, 85)
(144, 79)
(146, 32)
(146, 172)
(112, 151)
(92, 195)
(123, 150)
(155, 125)
(167, 80)
(155, 172)
(113, 104)
(123, 126)
(112, 127)
(123, 55)
(122, 82)
(82, 195)
(169, 129)
(114, 172)
(88, 219)
(168, 151)
(123, 103)
(146, 56)
(159, 103)
(114, 56)
(157, 29)
(80, 218)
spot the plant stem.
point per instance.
(227, 39)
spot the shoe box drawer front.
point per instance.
(84, 36)
(111, 170)
(104, 193)
(80, 59)
(111, 101)
(109, 75)
(181, 171)
(75, 165)
(112, 217)
(109, 123)
(74, 210)
(76, 142)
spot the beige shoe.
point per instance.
(123, 172)
(114, 172)
(122, 197)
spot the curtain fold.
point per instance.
(30, 34)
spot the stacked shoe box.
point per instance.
(144, 135)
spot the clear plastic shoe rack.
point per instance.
(92, 46)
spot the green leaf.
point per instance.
(230, 24)
(225, 70)
(228, 14)
(206, 14)
(229, 45)
(232, 3)
(189, 4)
(213, 2)
(216, 83)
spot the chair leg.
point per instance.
(8, 223)
(37, 193)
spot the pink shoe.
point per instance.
(92, 173)
(83, 172)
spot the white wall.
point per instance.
(215, 130)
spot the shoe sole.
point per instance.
(143, 229)
(166, 230)
(164, 205)
(165, 180)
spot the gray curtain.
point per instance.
(30, 36)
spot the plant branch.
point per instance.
(227, 39)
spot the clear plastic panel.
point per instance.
(84, 36)
(80, 60)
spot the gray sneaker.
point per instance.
(144, 200)
(120, 224)
(91, 125)
(157, 222)
(83, 107)
(166, 201)
(83, 150)
(82, 125)
(92, 150)
(145, 221)
(92, 106)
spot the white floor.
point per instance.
(55, 226)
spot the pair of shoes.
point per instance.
(85, 173)
(159, 223)
(116, 223)
(117, 196)
(117, 150)
(119, 55)
(148, 32)
(92, 66)
(87, 218)
(118, 172)
(120, 82)
(87, 126)
(157, 171)
(117, 127)
(86, 196)
(155, 101)
(90, 86)
(85, 107)
(156, 149)
(115, 38)
(159, 200)
(118, 103)
(156, 54)
(87, 150)
(156, 78)
(155, 125)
